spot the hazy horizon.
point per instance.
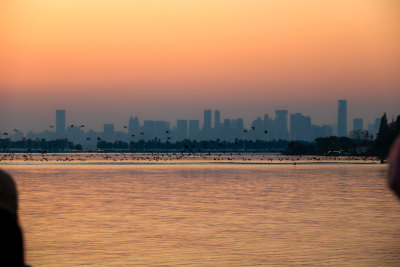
(104, 61)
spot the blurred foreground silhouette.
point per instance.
(11, 241)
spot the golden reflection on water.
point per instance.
(208, 215)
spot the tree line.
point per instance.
(358, 144)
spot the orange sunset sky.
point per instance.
(103, 61)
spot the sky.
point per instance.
(104, 61)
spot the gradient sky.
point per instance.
(105, 60)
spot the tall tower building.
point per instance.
(281, 125)
(217, 119)
(207, 120)
(60, 123)
(342, 118)
(133, 125)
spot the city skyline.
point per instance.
(282, 126)
(105, 60)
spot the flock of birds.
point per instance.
(5, 134)
(174, 156)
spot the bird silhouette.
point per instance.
(51, 126)
(88, 139)
(252, 127)
(245, 131)
(98, 138)
(71, 125)
(125, 127)
(266, 131)
(82, 126)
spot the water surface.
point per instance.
(208, 215)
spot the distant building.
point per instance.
(60, 123)
(148, 130)
(207, 120)
(357, 124)
(281, 129)
(206, 133)
(160, 128)
(300, 128)
(181, 129)
(373, 128)
(133, 126)
(342, 118)
(194, 129)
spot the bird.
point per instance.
(5, 133)
(51, 126)
(125, 126)
(167, 132)
(133, 135)
(82, 126)
(71, 125)
(142, 133)
(266, 131)
(98, 138)
(252, 127)
(88, 139)
(245, 131)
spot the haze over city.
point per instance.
(105, 61)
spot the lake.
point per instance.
(206, 213)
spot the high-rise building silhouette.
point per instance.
(194, 129)
(217, 119)
(207, 120)
(181, 129)
(206, 132)
(342, 118)
(60, 123)
(281, 129)
(300, 127)
(133, 125)
(357, 124)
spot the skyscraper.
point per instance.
(300, 127)
(60, 123)
(207, 120)
(133, 125)
(342, 118)
(281, 129)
